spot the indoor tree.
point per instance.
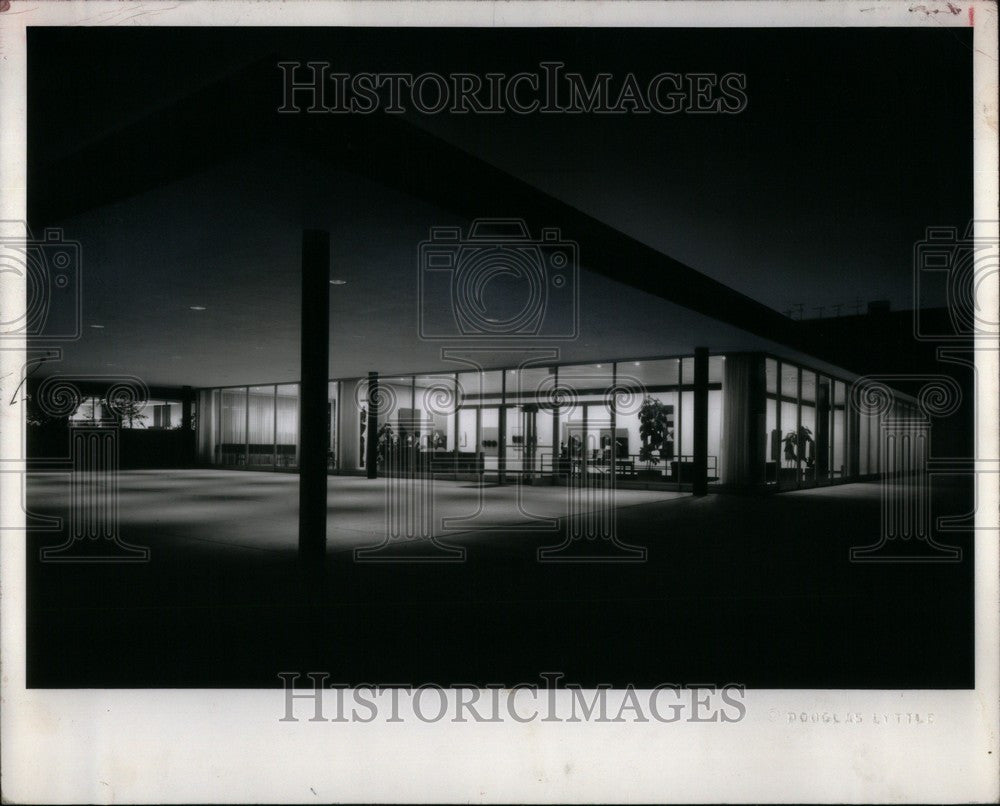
(653, 430)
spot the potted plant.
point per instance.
(794, 445)
(654, 424)
(386, 445)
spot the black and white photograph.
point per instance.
(492, 401)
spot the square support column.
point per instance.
(371, 445)
(852, 421)
(502, 431)
(757, 405)
(699, 482)
(190, 440)
(313, 395)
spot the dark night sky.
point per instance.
(853, 142)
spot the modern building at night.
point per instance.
(191, 267)
(303, 342)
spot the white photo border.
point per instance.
(85, 746)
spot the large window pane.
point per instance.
(434, 412)
(715, 469)
(864, 423)
(287, 410)
(261, 425)
(529, 421)
(206, 425)
(716, 368)
(89, 412)
(586, 419)
(839, 438)
(716, 376)
(789, 456)
(789, 386)
(216, 436)
(489, 430)
(468, 435)
(487, 394)
(652, 384)
(469, 399)
(518, 450)
(333, 396)
(687, 429)
(772, 459)
(353, 424)
(234, 424)
(398, 420)
(807, 445)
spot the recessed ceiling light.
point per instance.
(599, 366)
(635, 363)
(198, 308)
(98, 327)
(338, 282)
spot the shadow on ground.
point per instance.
(751, 590)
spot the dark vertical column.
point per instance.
(613, 447)
(757, 420)
(371, 443)
(274, 429)
(246, 426)
(189, 448)
(315, 351)
(799, 447)
(822, 429)
(557, 465)
(502, 430)
(852, 422)
(699, 483)
(454, 425)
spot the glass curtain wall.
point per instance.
(634, 419)
(333, 396)
(261, 426)
(716, 371)
(233, 445)
(807, 427)
(528, 419)
(586, 418)
(286, 425)
(838, 431)
(647, 417)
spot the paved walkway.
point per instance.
(726, 588)
(259, 511)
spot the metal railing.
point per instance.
(676, 470)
